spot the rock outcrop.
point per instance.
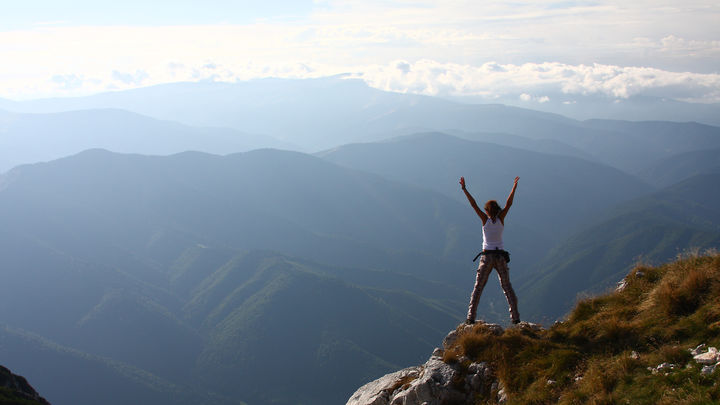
(710, 359)
(601, 351)
(14, 389)
(435, 382)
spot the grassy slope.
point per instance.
(10, 397)
(661, 313)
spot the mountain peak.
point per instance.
(656, 333)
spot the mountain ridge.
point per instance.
(123, 253)
(649, 228)
(36, 137)
(104, 246)
(327, 112)
(436, 161)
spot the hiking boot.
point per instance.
(469, 321)
(515, 321)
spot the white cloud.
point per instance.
(533, 81)
(683, 47)
(448, 47)
(132, 79)
(69, 82)
(530, 82)
(527, 98)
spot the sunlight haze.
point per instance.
(308, 202)
(530, 50)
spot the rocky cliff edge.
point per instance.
(14, 389)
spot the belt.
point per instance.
(504, 253)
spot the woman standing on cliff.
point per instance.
(493, 254)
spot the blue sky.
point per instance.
(533, 50)
(31, 13)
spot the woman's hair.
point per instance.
(492, 208)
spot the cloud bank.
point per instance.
(532, 50)
(530, 82)
(538, 81)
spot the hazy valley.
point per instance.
(297, 239)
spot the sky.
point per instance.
(535, 50)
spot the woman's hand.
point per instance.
(462, 182)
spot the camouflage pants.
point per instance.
(487, 263)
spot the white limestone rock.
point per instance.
(664, 368)
(433, 383)
(709, 357)
(531, 326)
(378, 392)
(501, 394)
(433, 386)
(698, 350)
(707, 370)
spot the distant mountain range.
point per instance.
(74, 377)
(281, 277)
(548, 182)
(633, 108)
(196, 268)
(153, 262)
(30, 138)
(676, 168)
(316, 114)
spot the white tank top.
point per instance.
(492, 234)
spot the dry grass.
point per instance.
(662, 311)
(682, 292)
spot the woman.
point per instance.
(493, 254)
